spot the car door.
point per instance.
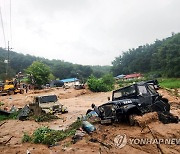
(144, 95)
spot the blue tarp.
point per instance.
(70, 80)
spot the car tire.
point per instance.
(158, 106)
(166, 104)
(11, 92)
(21, 91)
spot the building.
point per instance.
(56, 83)
(70, 82)
(120, 77)
(133, 76)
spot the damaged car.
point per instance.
(47, 104)
(136, 99)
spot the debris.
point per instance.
(24, 113)
(2, 123)
(4, 112)
(13, 109)
(6, 108)
(79, 86)
(88, 127)
(78, 136)
(8, 140)
(92, 114)
(166, 117)
(104, 144)
(28, 152)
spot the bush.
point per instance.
(171, 83)
(45, 118)
(49, 136)
(106, 83)
(26, 138)
(8, 117)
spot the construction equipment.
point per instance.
(11, 87)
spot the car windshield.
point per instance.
(124, 92)
(46, 99)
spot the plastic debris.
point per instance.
(88, 127)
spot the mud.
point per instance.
(77, 102)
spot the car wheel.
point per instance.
(11, 92)
(158, 106)
(166, 104)
(21, 91)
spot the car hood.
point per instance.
(49, 105)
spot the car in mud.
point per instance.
(79, 86)
(136, 99)
(47, 104)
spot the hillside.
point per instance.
(59, 68)
(162, 58)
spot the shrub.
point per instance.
(26, 138)
(49, 136)
(106, 83)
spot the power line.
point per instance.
(3, 27)
(10, 25)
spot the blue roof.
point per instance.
(69, 80)
(120, 76)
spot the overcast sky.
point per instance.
(89, 32)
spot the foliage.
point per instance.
(161, 57)
(59, 69)
(40, 72)
(48, 136)
(1, 103)
(106, 83)
(45, 118)
(170, 83)
(8, 117)
(26, 138)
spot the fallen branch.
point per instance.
(104, 144)
(2, 123)
(8, 140)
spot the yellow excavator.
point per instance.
(11, 87)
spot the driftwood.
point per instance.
(2, 123)
(8, 140)
(104, 144)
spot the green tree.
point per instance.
(106, 83)
(40, 72)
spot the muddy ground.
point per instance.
(77, 102)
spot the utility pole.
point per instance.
(7, 60)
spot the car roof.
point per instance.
(45, 95)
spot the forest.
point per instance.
(59, 68)
(161, 59)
